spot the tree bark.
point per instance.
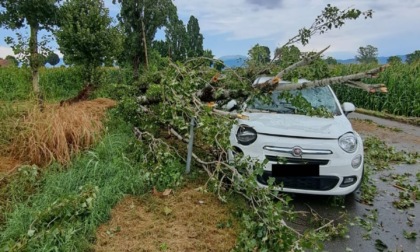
(144, 44)
(136, 66)
(34, 63)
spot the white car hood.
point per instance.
(298, 125)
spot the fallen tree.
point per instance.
(164, 111)
(165, 106)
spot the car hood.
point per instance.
(298, 125)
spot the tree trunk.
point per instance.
(34, 63)
(136, 67)
(145, 45)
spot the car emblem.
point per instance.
(297, 151)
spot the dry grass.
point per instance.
(7, 164)
(187, 220)
(58, 132)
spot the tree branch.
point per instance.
(328, 81)
(371, 88)
(272, 83)
(305, 61)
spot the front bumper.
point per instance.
(323, 168)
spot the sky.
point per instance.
(232, 27)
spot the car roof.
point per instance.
(263, 79)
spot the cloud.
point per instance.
(5, 51)
(266, 3)
(239, 19)
(393, 24)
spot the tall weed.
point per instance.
(59, 132)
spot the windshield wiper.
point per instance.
(261, 110)
(285, 110)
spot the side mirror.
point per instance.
(348, 107)
(231, 105)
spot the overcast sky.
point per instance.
(232, 27)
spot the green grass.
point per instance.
(70, 202)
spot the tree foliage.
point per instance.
(86, 36)
(413, 57)
(195, 38)
(176, 39)
(259, 54)
(394, 59)
(368, 54)
(331, 61)
(53, 59)
(287, 55)
(330, 18)
(12, 59)
(140, 20)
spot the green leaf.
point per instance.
(31, 232)
(410, 235)
(380, 245)
(167, 210)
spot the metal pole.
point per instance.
(190, 145)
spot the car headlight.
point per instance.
(348, 142)
(246, 135)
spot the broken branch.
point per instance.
(371, 88)
(331, 81)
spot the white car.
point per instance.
(309, 155)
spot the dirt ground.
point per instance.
(185, 220)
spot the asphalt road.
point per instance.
(380, 225)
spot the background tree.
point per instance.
(394, 59)
(12, 59)
(331, 61)
(140, 20)
(195, 38)
(176, 39)
(86, 36)
(53, 59)
(162, 47)
(38, 15)
(368, 54)
(259, 54)
(287, 55)
(413, 57)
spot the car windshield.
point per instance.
(318, 97)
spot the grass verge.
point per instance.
(67, 205)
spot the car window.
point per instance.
(318, 97)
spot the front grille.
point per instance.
(317, 183)
(291, 160)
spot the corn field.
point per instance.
(56, 83)
(402, 81)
